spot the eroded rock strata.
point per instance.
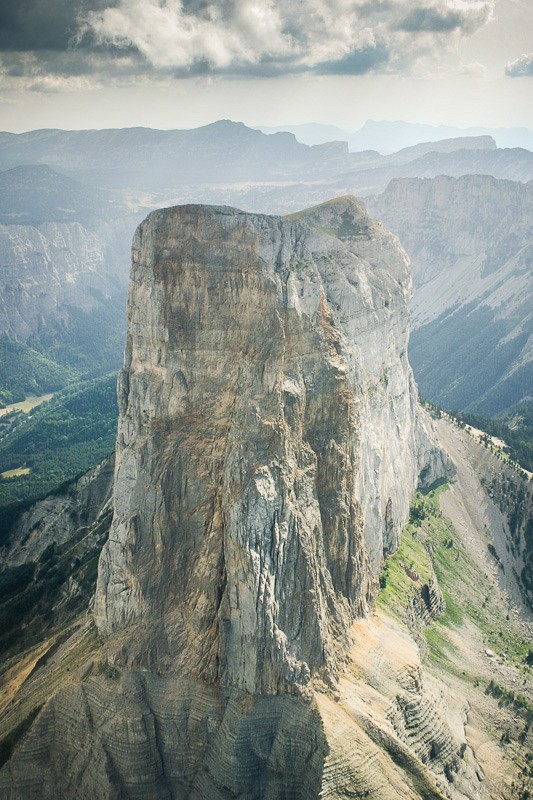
(265, 452)
(60, 517)
(469, 239)
(268, 446)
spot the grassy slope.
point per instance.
(476, 616)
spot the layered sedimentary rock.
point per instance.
(59, 517)
(266, 448)
(470, 242)
(139, 735)
(52, 270)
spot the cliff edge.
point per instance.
(265, 451)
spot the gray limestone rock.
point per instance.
(51, 270)
(59, 517)
(470, 242)
(433, 463)
(267, 445)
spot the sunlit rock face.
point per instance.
(470, 241)
(267, 444)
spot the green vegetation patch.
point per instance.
(439, 644)
(25, 371)
(403, 571)
(412, 563)
(59, 441)
(461, 578)
(429, 543)
(509, 697)
(427, 547)
(515, 428)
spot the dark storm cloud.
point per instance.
(54, 70)
(181, 38)
(43, 24)
(521, 68)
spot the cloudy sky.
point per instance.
(183, 63)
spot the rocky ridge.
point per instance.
(266, 398)
(470, 242)
(49, 270)
(57, 518)
(268, 446)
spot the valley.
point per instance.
(27, 405)
(408, 653)
(283, 577)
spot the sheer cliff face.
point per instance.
(470, 240)
(266, 448)
(49, 270)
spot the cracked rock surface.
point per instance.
(266, 448)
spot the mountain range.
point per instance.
(242, 166)
(470, 240)
(66, 229)
(301, 585)
(388, 137)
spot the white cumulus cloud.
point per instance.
(521, 67)
(121, 41)
(271, 36)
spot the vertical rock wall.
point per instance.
(266, 449)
